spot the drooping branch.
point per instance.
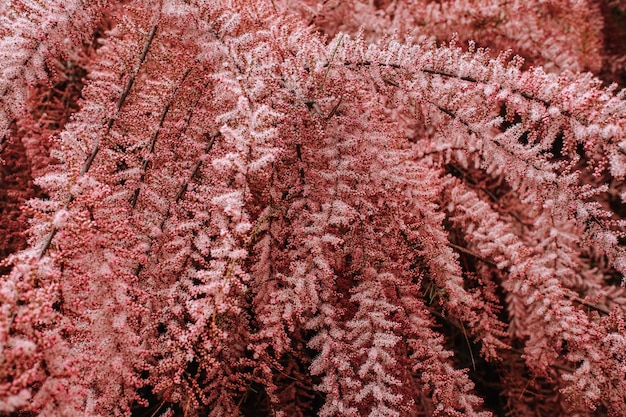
(96, 146)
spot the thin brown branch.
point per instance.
(109, 125)
(181, 191)
(155, 135)
(472, 254)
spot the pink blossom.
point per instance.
(296, 208)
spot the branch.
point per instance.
(109, 125)
(179, 194)
(499, 87)
(570, 294)
(155, 135)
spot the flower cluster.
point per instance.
(297, 208)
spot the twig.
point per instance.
(155, 135)
(473, 254)
(109, 125)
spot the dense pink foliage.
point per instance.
(297, 208)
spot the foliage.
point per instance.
(333, 208)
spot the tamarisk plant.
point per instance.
(231, 213)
